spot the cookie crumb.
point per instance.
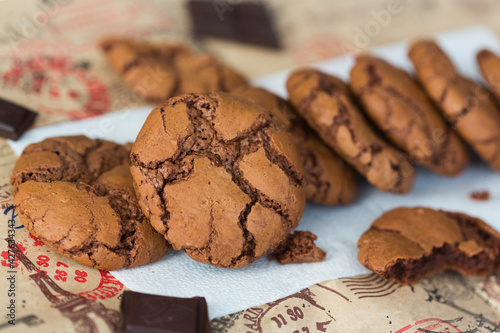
(298, 248)
(480, 195)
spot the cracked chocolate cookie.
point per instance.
(147, 69)
(158, 72)
(489, 64)
(399, 107)
(204, 73)
(219, 177)
(329, 180)
(408, 244)
(76, 195)
(467, 107)
(325, 103)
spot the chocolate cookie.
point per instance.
(76, 195)
(408, 244)
(204, 73)
(329, 180)
(298, 248)
(147, 69)
(219, 177)
(489, 64)
(466, 105)
(325, 103)
(158, 72)
(400, 108)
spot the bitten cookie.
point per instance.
(468, 108)
(325, 103)
(399, 107)
(408, 244)
(219, 177)
(76, 195)
(329, 180)
(489, 64)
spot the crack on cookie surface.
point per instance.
(320, 87)
(399, 106)
(203, 140)
(314, 172)
(465, 105)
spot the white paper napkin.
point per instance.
(338, 228)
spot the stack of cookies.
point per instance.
(222, 170)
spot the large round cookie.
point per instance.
(218, 177)
(329, 180)
(400, 108)
(467, 107)
(325, 103)
(76, 195)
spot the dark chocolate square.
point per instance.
(247, 22)
(160, 314)
(14, 119)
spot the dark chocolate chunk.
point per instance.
(246, 22)
(153, 313)
(14, 119)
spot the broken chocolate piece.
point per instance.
(298, 248)
(408, 244)
(14, 119)
(244, 22)
(153, 313)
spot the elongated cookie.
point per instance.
(489, 64)
(76, 195)
(466, 105)
(325, 103)
(399, 107)
(219, 177)
(408, 244)
(329, 180)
